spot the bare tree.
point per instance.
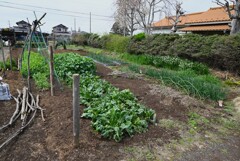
(146, 12)
(175, 19)
(125, 15)
(234, 16)
(140, 13)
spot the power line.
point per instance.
(54, 9)
(74, 16)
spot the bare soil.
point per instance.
(52, 139)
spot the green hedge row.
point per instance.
(222, 52)
(217, 51)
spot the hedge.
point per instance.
(217, 51)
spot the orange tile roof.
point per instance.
(216, 14)
(206, 28)
(183, 20)
(212, 15)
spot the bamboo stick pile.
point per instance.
(26, 109)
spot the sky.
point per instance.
(102, 12)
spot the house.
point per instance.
(213, 21)
(15, 33)
(22, 26)
(60, 29)
(21, 30)
(61, 32)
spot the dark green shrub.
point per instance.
(80, 39)
(117, 43)
(139, 37)
(225, 53)
(103, 41)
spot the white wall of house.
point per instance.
(166, 31)
(59, 29)
(161, 31)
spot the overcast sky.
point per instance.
(102, 12)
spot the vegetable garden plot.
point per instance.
(114, 113)
(52, 139)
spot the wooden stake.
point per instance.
(51, 64)
(4, 62)
(28, 60)
(21, 58)
(24, 102)
(10, 53)
(54, 41)
(76, 110)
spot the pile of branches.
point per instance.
(26, 109)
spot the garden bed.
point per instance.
(52, 139)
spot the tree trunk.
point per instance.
(235, 26)
(236, 20)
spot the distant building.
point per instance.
(17, 34)
(61, 32)
(21, 30)
(22, 27)
(213, 21)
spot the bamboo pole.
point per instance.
(51, 64)
(76, 110)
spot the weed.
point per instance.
(130, 149)
(169, 124)
(149, 155)
(196, 121)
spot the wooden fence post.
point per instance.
(51, 64)
(76, 110)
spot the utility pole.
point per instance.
(75, 25)
(90, 22)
